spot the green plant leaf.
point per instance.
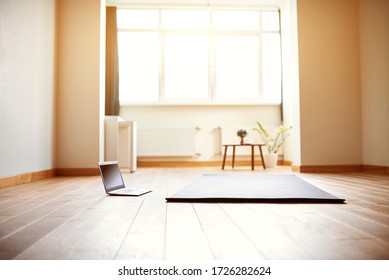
(273, 143)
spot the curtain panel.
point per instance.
(111, 65)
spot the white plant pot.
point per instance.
(271, 160)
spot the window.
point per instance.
(186, 67)
(199, 56)
(236, 67)
(138, 66)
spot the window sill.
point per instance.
(162, 104)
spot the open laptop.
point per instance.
(113, 180)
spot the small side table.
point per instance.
(246, 145)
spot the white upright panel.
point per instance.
(120, 142)
(127, 145)
(111, 138)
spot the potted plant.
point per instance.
(273, 142)
(242, 134)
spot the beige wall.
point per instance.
(343, 62)
(79, 83)
(374, 45)
(330, 94)
(27, 62)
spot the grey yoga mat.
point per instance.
(252, 188)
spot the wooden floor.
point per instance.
(72, 218)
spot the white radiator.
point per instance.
(166, 142)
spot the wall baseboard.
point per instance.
(340, 168)
(77, 171)
(285, 163)
(204, 163)
(216, 163)
(45, 174)
(295, 168)
(376, 169)
(178, 163)
(26, 178)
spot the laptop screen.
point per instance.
(111, 175)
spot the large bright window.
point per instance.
(199, 56)
(138, 66)
(236, 67)
(185, 67)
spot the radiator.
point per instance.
(166, 142)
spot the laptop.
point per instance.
(113, 180)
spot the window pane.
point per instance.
(270, 21)
(137, 19)
(138, 66)
(186, 66)
(237, 67)
(235, 20)
(272, 67)
(179, 19)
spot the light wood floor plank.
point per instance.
(269, 241)
(185, 238)
(104, 241)
(377, 208)
(18, 242)
(226, 240)
(146, 237)
(73, 218)
(314, 241)
(19, 222)
(342, 215)
(331, 228)
(61, 242)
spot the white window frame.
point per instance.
(211, 99)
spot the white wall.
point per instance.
(208, 118)
(374, 45)
(27, 62)
(290, 68)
